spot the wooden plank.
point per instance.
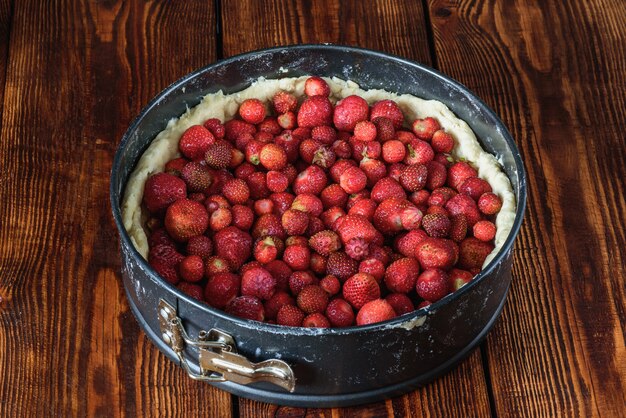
(6, 12)
(79, 73)
(554, 71)
(397, 27)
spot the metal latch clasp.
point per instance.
(218, 357)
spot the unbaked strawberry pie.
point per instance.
(311, 202)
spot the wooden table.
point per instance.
(73, 74)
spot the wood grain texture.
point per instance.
(79, 73)
(6, 11)
(396, 27)
(555, 73)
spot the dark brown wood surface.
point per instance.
(73, 74)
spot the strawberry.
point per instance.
(175, 166)
(325, 242)
(263, 206)
(386, 188)
(362, 149)
(215, 264)
(284, 102)
(440, 196)
(374, 170)
(200, 245)
(191, 268)
(489, 204)
(459, 172)
(353, 180)
(364, 207)
(298, 257)
(167, 272)
(330, 216)
(360, 289)
(186, 218)
(333, 195)
(253, 151)
(264, 137)
(437, 175)
(340, 313)
(340, 265)
(442, 141)
(355, 226)
(270, 125)
(316, 86)
(458, 228)
(318, 263)
(233, 245)
(295, 222)
(433, 284)
(164, 254)
(258, 282)
(216, 127)
(462, 204)
(315, 225)
(243, 217)
(273, 157)
(425, 128)
(365, 131)
(401, 275)
(266, 249)
(342, 149)
(404, 136)
(312, 298)
(330, 284)
(385, 129)
(311, 180)
(236, 191)
(475, 187)
(281, 272)
(324, 134)
(393, 151)
(276, 181)
(436, 225)
(287, 120)
(309, 203)
(357, 248)
(269, 224)
(221, 289)
(315, 111)
(218, 155)
(436, 253)
(257, 183)
(299, 279)
(377, 310)
(418, 152)
(246, 307)
(195, 141)
(191, 289)
(374, 267)
(405, 243)
(273, 304)
(220, 219)
(161, 190)
(316, 320)
(324, 156)
(400, 303)
(349, 111)
(413, 177)
(459, 278)
(252, 111)
(290, 316)
(235, 128)
(395, 214)
(388, 109)
(484, 230)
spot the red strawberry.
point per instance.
(340, 313)
(436, 175)
(215, 264)
(324, 156)
(284, 102)
(290, 316)
(440, 196)
(221, 289)
(362, 149)
(220, 219)
(330, 216)
(164, 254)
(186, 218)
(390, 110)
(246, 307)
(433, 284)
(161, 190)
(325, 242)
(442, 141)
(273, 157)
(270, 125)
(386, 188)
(252, 111)
(257, 184)
(365, 131)
(355, 226)
(263, 206)
(216, 127)
(312, 298)
(233, 245)
(235, 128)
(400, 303)
(253, 151)
(191, 289)
(401, 275)
(276, 181)
(298, 257)
(191, 268)
(405, 136)
(316, 320)
(436, 253)
(405, 243)
(459, 278)
(459, 172)
(425, 128)
(273, 304)
(353, 180)
(413, 177)
(264, 137)
(218, 155)
(360, 289)
(364, 207)
(419, 152)
(458, 228)
(258, 282)
(377, 310)
(489, 204)
(266, 249)
(462, 204)
(475, 187)
(436, 225)
(318, 263)
(243, 217)
(373, 266)
(396, 214)
(175, 166)
(195, 141)
(200, 245)
(281, 272)
(268, 224)
(287, 120)
(316, 86)
(393, 151)
(342, 149)
(484, 230)
(311, 180)
(340, 265)
(357, 248)
(299, 279)
(167, 272)
(331, 285)
(309, 203)
(295, 222)
(324, 134)
(315, 111)
(333, 195)
(349, 111)
(384, 128)
(236, 191)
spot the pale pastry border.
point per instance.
(224, 107)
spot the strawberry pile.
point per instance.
(307, 213)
